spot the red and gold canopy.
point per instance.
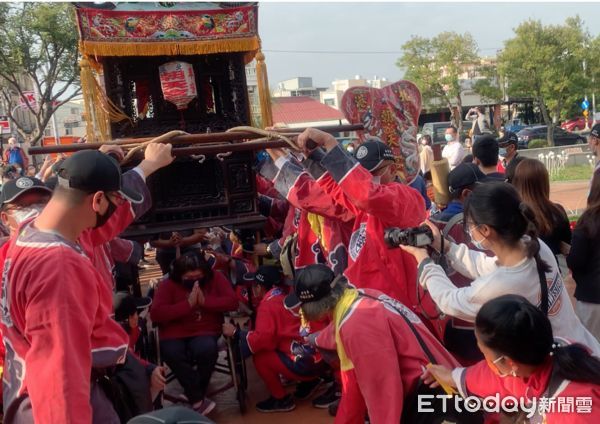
(187, 29)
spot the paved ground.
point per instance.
(572, 195)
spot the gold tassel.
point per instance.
(86, 90)
(170, 48)
(317, 223)
(263, 90)
(439, 175)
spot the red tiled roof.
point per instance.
(290, 110)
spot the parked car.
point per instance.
(437, 130)
(576, 124)
(561, 137)
(514, 125)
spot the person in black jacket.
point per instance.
(532, 181)
(584, 262)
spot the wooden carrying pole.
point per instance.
(225, 138)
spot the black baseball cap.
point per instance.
(464, 175)
(312, 283)
(12, 189)
(266, 276)
(124, 305)
(372, 153)
(91, 171)
(595, 132)
(507, 139)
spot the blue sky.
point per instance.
(384, 27)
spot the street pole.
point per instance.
(55, 127)
(593, 102)
(587, 122)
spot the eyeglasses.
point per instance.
(16, 207)
(469, 229)
(495, 361)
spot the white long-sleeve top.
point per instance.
(491, 280)
(454, 152)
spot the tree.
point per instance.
(435, 66)
(546, 63)
(593, 65)
(489, 86)
(39, 48)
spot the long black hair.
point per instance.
(499, 206)
(590, 220)
(513, 327)
(190, 261)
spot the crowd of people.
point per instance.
(362, 325)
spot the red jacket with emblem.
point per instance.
(308, 246)
(177, 319)
(276, 327)
(334, 225)
(386, 357)
(371, 263)
(575, 402)
(56, 324)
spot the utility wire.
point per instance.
(348, 52)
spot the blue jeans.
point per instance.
(192, 360)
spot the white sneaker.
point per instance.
(205, 407)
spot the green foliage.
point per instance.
(435, 64)
(545, 62)
(573, 173)
(537, 143)
(39, 46)
(488, 87)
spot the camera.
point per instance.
(417, 236)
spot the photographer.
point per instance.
(462, 180)
(480, 122)
(497, 220)
(364, 184)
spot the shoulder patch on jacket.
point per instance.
(357, 241)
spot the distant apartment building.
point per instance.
(333, 96)
(299, 86)
(69, 120)
(14, 106)
(253, 98)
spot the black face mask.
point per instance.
(189, 283)
(101, 219)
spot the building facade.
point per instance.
(299, 86)
(333, 96)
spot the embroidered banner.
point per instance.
(97, 25)
(392, 114)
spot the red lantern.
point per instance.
(178, 83)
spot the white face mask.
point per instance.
(22, 215)
(476, 243)
(448, 137)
